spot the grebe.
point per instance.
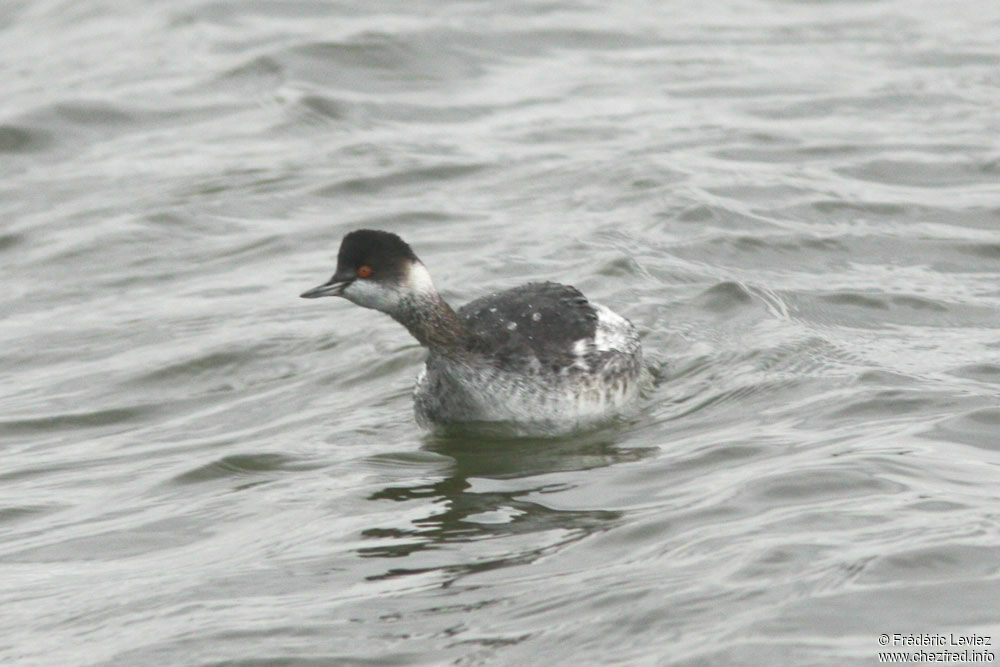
(539, 359)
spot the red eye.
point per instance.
(364, 271)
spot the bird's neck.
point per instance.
(427, 316)
(434, 324)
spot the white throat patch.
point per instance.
(418, 280)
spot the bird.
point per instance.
(539, 359)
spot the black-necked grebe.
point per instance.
(535, 359)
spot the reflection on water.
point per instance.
(463, 511)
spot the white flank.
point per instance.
(613, 331)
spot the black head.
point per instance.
(386, 255)
(369, 262)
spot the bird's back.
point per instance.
(540, 353)
(536, 322)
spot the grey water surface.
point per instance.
(796, 202)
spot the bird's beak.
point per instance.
(334, 287)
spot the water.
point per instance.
(798, 203)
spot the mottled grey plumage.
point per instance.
(545, 318)
(535, 359)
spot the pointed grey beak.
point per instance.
(333, 288)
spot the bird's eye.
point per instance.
(364, 271)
